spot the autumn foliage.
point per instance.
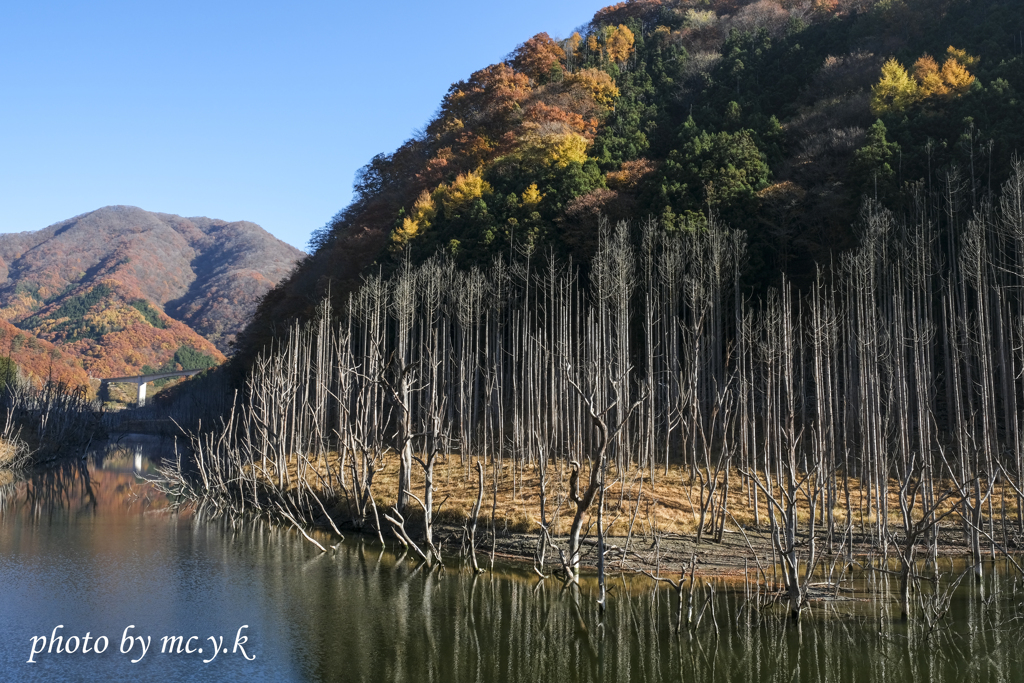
(897, 89)
(620, 12)
(107, 292)
(545, 116)
(619, 43)
(763, 112)
(537, 112)
(537, 57)
(112, 337)
(598, 83)
(485, 99)
(38, 360)
(631, 175)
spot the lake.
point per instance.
(90, 546)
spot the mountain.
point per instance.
(774, 117)
(124, 290)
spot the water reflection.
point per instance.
(90, 545)
(109, 478)
(457, 626)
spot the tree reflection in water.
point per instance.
(363, 613)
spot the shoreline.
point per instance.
(732, 561)
(657, 518)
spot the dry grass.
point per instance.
(12, 453)
(667, 504)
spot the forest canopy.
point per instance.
(776, 118)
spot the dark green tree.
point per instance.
(8, 372)
(717, 171)
(872, 166)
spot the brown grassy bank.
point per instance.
(651, 521)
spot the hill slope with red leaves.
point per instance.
(120, 288)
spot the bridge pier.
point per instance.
(141, 380)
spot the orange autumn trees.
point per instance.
(949, 80)
(485, 98)
(535, 112)
(539, 58)
(475, 115)
(614, 43)
(125, 352)
(84, 290)
(897, 89)
(38, 360)
(544, 115)
(929, 77)
(112, 330)
(631, 174)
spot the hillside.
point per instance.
(777, 117)
(121, 289)
(39, 360)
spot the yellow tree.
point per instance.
(598, 83)
(571, 46)
(462, 192)
(951, 80)
(532, 197)
(418, 219)
(929, 77)
(620, 44)
(566, 149)
(557, 150)
(956, 76)
(895, 91)
(968, 61)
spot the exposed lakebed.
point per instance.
(90, 545)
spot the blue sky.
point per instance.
(233, 110)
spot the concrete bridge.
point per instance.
(141, 380)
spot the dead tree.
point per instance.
(597, 462)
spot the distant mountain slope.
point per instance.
(235, 264)
(39, 360)
(122, 288)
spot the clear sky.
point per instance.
(234, 110)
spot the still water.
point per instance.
(90, 546)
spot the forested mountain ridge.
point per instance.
(776, 116)
(121, 291)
